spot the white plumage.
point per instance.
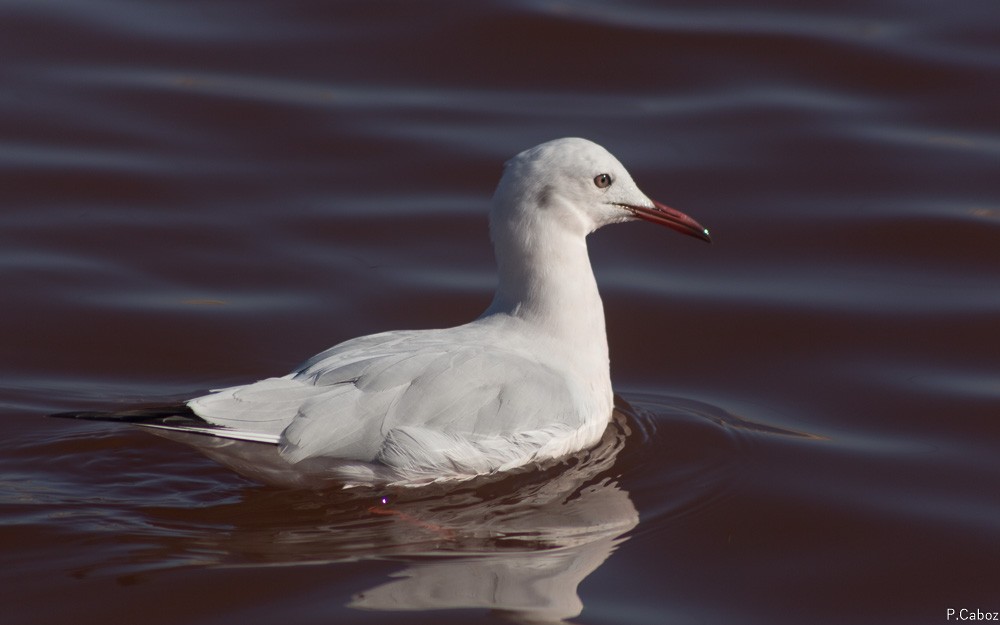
(526, 382)
(420, 405)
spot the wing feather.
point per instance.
(417, 402)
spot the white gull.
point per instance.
(527, 381)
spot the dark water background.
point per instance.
(196, 194)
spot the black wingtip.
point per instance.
(137, 415)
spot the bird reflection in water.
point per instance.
(519, 543)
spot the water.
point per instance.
(201, 194)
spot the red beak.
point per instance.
(671, 218)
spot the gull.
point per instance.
(526, 382)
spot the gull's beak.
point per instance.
(669, 217)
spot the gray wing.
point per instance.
(412, 401)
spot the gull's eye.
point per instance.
(603, 181)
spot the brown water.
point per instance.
(196, 194)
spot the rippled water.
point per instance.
(201, 194)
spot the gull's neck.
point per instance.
(545, 279)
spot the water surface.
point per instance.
(202, 194)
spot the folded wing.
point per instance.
(407, 401)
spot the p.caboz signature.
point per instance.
(965, 614)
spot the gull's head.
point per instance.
(578, 185)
